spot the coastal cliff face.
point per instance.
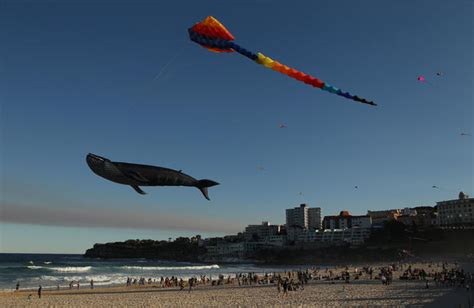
(182, 249)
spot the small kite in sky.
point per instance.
(465, 134)
(434, 186)
(421, 78)
(439, 74)
(282, 126)
(211, 34)
(356, 187)
(260, 168)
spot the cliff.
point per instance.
(182, 249)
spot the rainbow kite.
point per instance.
(211, 34)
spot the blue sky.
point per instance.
(121, 79)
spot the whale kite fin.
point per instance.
(202, 185)
(138, 190)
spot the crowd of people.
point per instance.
(292, 281)
(438, 274)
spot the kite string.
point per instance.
(171, 61)
(162, 71)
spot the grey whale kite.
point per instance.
(137, 175)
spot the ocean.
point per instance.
(52, 270)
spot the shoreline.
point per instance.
(320, 290)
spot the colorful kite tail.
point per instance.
(211, 34)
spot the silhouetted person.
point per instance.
(39, 291)
(18, 286)
(92, 284)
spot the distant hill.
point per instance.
(182, 249)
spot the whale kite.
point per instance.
(137, 175)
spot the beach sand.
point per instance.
(364, 292)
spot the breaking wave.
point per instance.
(34, 267)
(166, 268)
(67, 269)
(71, 269)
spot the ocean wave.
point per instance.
(48, 278)
(63, 281)
(170, 268)
(34, 267)
(47, 262)
(72, 269)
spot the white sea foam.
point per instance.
(72, 269)
(99, 280)
(47, 262)
(34, 267)
(48, 278)
(166, 268)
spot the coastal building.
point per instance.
(345, 220)
(303, 217)
(380, 217)
(419, 217)
(226, 250)
(261, 232)
(456, 213)
(352, 236)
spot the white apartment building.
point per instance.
(458, 212)
(261, 232)
(303, 217)
(353, 236)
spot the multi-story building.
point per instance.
(353, 236)
(314, 218)
(345, 220)
(420, 216)
(458, 212)
(303, 217)
(261, 232)
(380, 217)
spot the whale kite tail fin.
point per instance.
(203, 185)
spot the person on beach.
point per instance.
(70, 284)
(17, 286)
(92, 284)
(285, 287)
(190, 282)
(39, 291)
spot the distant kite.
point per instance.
(211, 34)
(465, 134)
(421, 78)
(356, 187)
(282, 126)
(434, 186)
(439, 74)
(143, 175)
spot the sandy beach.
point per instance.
(317, 293)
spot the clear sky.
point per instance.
(121, 79)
